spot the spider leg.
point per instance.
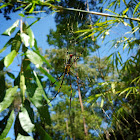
(71, 91)
(78, 78)
(57, 79)
(59, 87)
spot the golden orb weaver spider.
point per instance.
(68, 72)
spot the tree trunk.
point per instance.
(82, 108)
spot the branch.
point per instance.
(95, 13)
(76, 10)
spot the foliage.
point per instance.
(107, 87)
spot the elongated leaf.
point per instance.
(6, 45)
(43, 59)
(11, 75)
(16, 43)
(18, 128)
(28, 105)
(8, 125)
(25, 39)
(30, 17)
(3, 122)
(85, 30)
(113, 87)
(9, 58)
(25, 120)
(125, 10)
(136, 8)
(37, 98)
(128, 93)
(111, 11)
(127, 89)
(32, 8)
(43, 110)
(93, 98)
(102, 103)
(22, 85)
(51, 78)
(22, 15)
(42, 133)
(37, 101)
(11, 29)
(20, 7)
(4, 5)
(33, 22)
(34, 58)
(28, 6)
(21, 137)
(8, 138)
(8, 99)
(2, 81)
(136, 79)
(41, 88)
(31, 35)
(44, 115)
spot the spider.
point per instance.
(67, 72)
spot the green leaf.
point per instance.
(37, 98)
(51, 78)
(6, 45)
(25, 39)
(27, 6)
(31, 35)
(136, 8)
(42, 133)
(43, 59)
(8, 99)
(22, 85)
(25, 120)
(21, 137)
(124, 91)
(111, 11)
(102, 103)
(113, 87)
(16, 43)
(29, 107)
(9, 58)
(8, 138)
(11, 29)
(20, 7)
(30, 17)
(44, 115)
(125, 11)
(134, 80)
(94, 97)
(85, 30)
(22, 15)
(32, 8)
(18, 128)
(41, 88)
(33, 22)
(37, 101)
(11, 75)
(5, 4)
(34, 58)
(8, 125)
(130, 89)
